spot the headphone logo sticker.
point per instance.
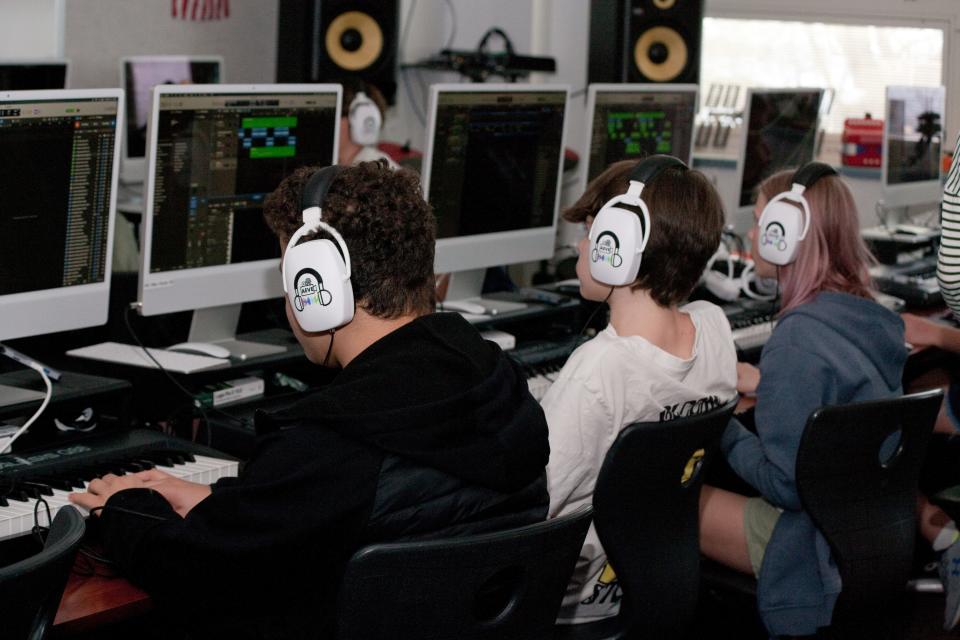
(607, 249)
(309, 287)
(774, 234)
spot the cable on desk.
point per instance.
(193, 401)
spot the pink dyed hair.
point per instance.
(832, 257)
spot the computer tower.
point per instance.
(645, 41)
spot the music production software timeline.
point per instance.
(218, 156)
(56, 158)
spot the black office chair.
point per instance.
(646, 510)
(504, 585)
(30, 590)
(862, 498)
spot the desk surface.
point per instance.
(91, 601)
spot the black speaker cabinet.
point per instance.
(332, 40)
(645, 41)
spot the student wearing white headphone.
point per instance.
(426, 430)
(833, 344)
(652, 226)
(363, 113)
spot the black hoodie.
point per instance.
(429, 432)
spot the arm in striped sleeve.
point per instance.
(948, 263)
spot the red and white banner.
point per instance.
(200, 9)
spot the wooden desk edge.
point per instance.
(94, 601)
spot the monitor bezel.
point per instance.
(594, 89)
(133, 170)
(736, 208)
(32, 313)
(910, 193)
(479, 251)
(220, 285)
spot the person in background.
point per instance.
(833, 344)
(361, 120)
(655, 361)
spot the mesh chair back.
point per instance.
(646, 509)
(30, 590)
(857, 471)
(504, 585)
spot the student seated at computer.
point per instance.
(428, 430)
(364, 111)
(832, 345)
(655, 360)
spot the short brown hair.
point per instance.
(686, 220)
(387, 226)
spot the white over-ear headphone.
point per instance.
(316, 277)
(365, 120)
(785, 220)
(618, 236)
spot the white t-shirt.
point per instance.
(608, 383)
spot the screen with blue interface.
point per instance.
(217, 157)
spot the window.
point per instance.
(856, 61)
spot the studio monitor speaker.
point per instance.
(331, 40)
(645, 40)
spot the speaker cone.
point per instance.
(354, 41)
(660, 54)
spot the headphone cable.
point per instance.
(193, 401)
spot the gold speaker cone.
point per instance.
(677, 54)
(371, 41)
(664, 4)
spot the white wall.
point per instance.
(31, 28)
(98, 33)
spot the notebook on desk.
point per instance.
(135, 356)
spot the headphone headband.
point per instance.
(811, 172)
(648, 168)
(315, 191)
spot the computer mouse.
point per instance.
(201, 349)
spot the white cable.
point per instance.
(33, 418)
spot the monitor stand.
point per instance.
(218, 326)
(463, 294)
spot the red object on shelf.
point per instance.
(862, 142)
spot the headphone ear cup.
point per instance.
(317, 286)
(780, 226)
(365, 122)
(616, 236)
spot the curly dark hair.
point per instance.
(686, 220)
(387, 226)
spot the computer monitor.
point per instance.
(633, 121)
(912, 139)
(492, 173)
(59, 160)
(214, 153)
(780, 133)
(138, 76)
(30, 75)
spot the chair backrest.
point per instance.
(503, 585)
(646, 510)
(30, 590)
(857, 471)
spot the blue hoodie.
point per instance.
(835, 349)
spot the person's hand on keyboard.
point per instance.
(921, 332)
(748, 378)
(182, 495)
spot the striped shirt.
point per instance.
(948, 263)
